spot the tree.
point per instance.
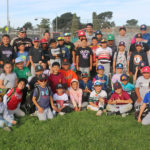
(95, 21)
(45, 23)
(28, 25)
(132, 22)
(75, 23)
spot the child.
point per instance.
(101, 77)
(35, 55)
(67, 73)
(97, 98)
(119, 70)
(121, 56)
(23, 54)
(56, 77)
(13, 99)
(99, 36)
(7, 53)
(61, 100)
(42, 98)
(84, 57)
(136, 57)
(79, 73)
(146, 119)
(119, 102)
(45, 70)
(94, 47)
(75, 94)
(6, 120)
(104, 54)
(54, 53)
(20, 70)
(142, 87)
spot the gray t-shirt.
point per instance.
(143, 85)
(9, 80)
(89, 37)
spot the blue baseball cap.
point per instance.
(124, 77)
(100, 67)
(98, 83)
(98, 32)
(18, 60)
(67, 34)
(119, 66)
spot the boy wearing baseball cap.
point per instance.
(119, 102)
(97, 99)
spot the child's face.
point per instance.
(5, 40)
(53, 45)
(60, 91)
(110, 42)
(124, 82)
(99, 36)
(8, 68)
(42, 83)
(146, 75)
(36, 44)
(104, 45)
(67, 38)
(44, 45)
(74, 85)
(21, 47)
(122, 32)
(20, 65)
(94, 42)
(55, 69)
(138, 48)
(85, 80)
(61, 42)
(46, 36)
(65, 67)
(118, 91)
(101, 72)
(84, 43)
(121, 48)
(98, 88)
(38, 73)
(119, 70)
(21, 85)
(44, 65)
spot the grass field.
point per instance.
(77, 131)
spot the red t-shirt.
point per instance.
(15, 99)
(124, 96)
(94, 48)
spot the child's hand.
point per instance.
(40, 110)
(139, 120)
(90, 68)
(79, 109)
(101, 99)
(139, 100)
(14, 122)
(76, 109)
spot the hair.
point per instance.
(8, 63)
(78, 73)
(44, 61)
(46, 31)
(89, 24)
(22, 80)
(52, 41)
(6, 35)
(55, 64)
(84, 39)
(94, 38)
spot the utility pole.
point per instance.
(8, 23)
(56, 23)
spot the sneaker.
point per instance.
(99, 113)
(61, 113)
(34, 114)
(109, 113)
(124, 115)
(7, 129)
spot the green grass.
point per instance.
(77, 131)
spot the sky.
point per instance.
(22, 11)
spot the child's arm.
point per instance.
(124, 101)
(112, 101)
(30, 58)
(141, 111)
(91, 62)
(77, 62)
(40, 109)
(114, 66)
(92, 104)
(73, 57)
(1, 84)
(135, 75)
(27, 64)
(139, 99)
(52, 104)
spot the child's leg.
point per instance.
(146, 119)
(18, 112)
(2, 122)
(90, 107)
(49, 113)
(42, 116)
(125, 108)
(67, 109)
(112, 108)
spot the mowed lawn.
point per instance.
(77, 131)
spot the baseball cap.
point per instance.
(146, 69)
(55, 64)
(42, 77)
(139, 35)
(143, 27)
(138, 44)
(122, 28)
(121, 43)
(59, 86)
(20, 43)
(142, 64)
(36, 39)
(52, 41)
(84, 75)
(67, 34)
(100, 67)
(44, 41)
(103, 41)
(124, 77)
(119, 66)
(38, 68)
(19, 60)
(110, 37)
(98, 32)
(98, 83)
(22, 30)
(60, 38)
(117, 85)
(65, 62)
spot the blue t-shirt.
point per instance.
(128, 87)
(24, 56)
(44, 96)
(147, 98)
(83, 85)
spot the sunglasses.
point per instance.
(43, 80)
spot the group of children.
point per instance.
(56, 78)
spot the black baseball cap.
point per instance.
(65, 62)
(52, 41)
(122, 28)
(143, 27)
(42, 77)
(20, 43)
(59, 86)
(117, 85)
(124, 77)
(55, 64)
(38, 68)
(22, 30)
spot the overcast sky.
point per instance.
(21, 11)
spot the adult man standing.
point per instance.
(46, 36)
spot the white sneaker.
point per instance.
(124, 115)
(34, 114)
(61, 113)
(99, 113)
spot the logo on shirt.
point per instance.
(137, 59)
(85, 54)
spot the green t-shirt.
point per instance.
(24, 73)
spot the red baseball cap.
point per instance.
(43, 41)
(146, 69)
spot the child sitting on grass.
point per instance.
(120, 101)
(97, 98)
(61, 100)
(75, 94)
(42, 98)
